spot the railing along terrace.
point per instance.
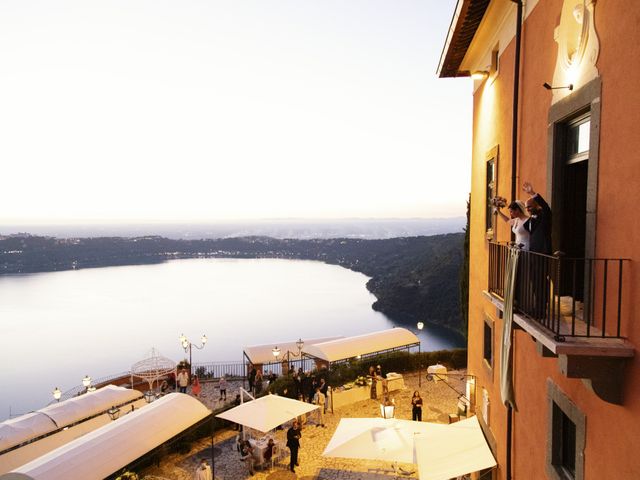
(571, 297)
(211, 370)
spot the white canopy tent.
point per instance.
(457, 450)
(440, 451)
(266, 413)
(108, 449)
(59, 415)
(369, 343)
(378, 439)
(263, 354)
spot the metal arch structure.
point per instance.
(153, 368)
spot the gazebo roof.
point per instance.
(153, 367)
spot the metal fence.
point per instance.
(571, 297)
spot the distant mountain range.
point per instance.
(282, 228)
(413, 278)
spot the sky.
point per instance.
(204, 111)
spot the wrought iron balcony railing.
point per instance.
(570, 297)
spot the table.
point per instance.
(259, 448)
(395, 381)
(438, 369)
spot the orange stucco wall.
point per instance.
(612, 437)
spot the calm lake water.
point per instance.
(58, 327)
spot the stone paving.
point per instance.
(439, 402)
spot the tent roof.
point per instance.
(59, 415)
(89, 404)
(25, 427)
(106, 450)
(260, 354)
(349, 347)
(266, 413)
(457, 450)
(378, 439)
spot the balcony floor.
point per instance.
(594, 345)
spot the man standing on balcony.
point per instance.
(539, 223)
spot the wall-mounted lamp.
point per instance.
(549, 87)
(479, 74)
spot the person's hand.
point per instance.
(528, 189)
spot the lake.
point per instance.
(58, 327)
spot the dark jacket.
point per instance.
(539, 228)
(293, 438)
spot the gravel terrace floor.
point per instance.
(439, 401)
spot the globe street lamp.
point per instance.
(57, 394)
(187, 345)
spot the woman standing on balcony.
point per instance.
(517, 218)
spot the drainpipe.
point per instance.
(514, 166)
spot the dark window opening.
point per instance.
(488, 343)
(564, 447)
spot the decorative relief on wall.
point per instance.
(578, 47)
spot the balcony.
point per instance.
(574, 309)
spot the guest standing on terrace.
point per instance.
(252, 378)
(183, 380)
(293, 442)
(196, 388)
(222, 384)
(374, 383)
(416, 407)
(539, 223)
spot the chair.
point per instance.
(275, 456)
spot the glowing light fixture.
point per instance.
(479, 74)
(86, 381)
(114, 413)
(57, 394)
(276, 352)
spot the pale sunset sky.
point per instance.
(205, 110)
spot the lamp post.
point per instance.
(276, 353)
(187, 345)
(300, 344)
(57, 394)
(420, 326)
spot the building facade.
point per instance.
(555, 104)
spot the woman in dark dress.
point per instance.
(416, 404)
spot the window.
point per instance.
(565, 451)
(488, 341)
(491, 190)
(565, 454)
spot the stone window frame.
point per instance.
(557, 397)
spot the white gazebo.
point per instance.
(153, 368)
